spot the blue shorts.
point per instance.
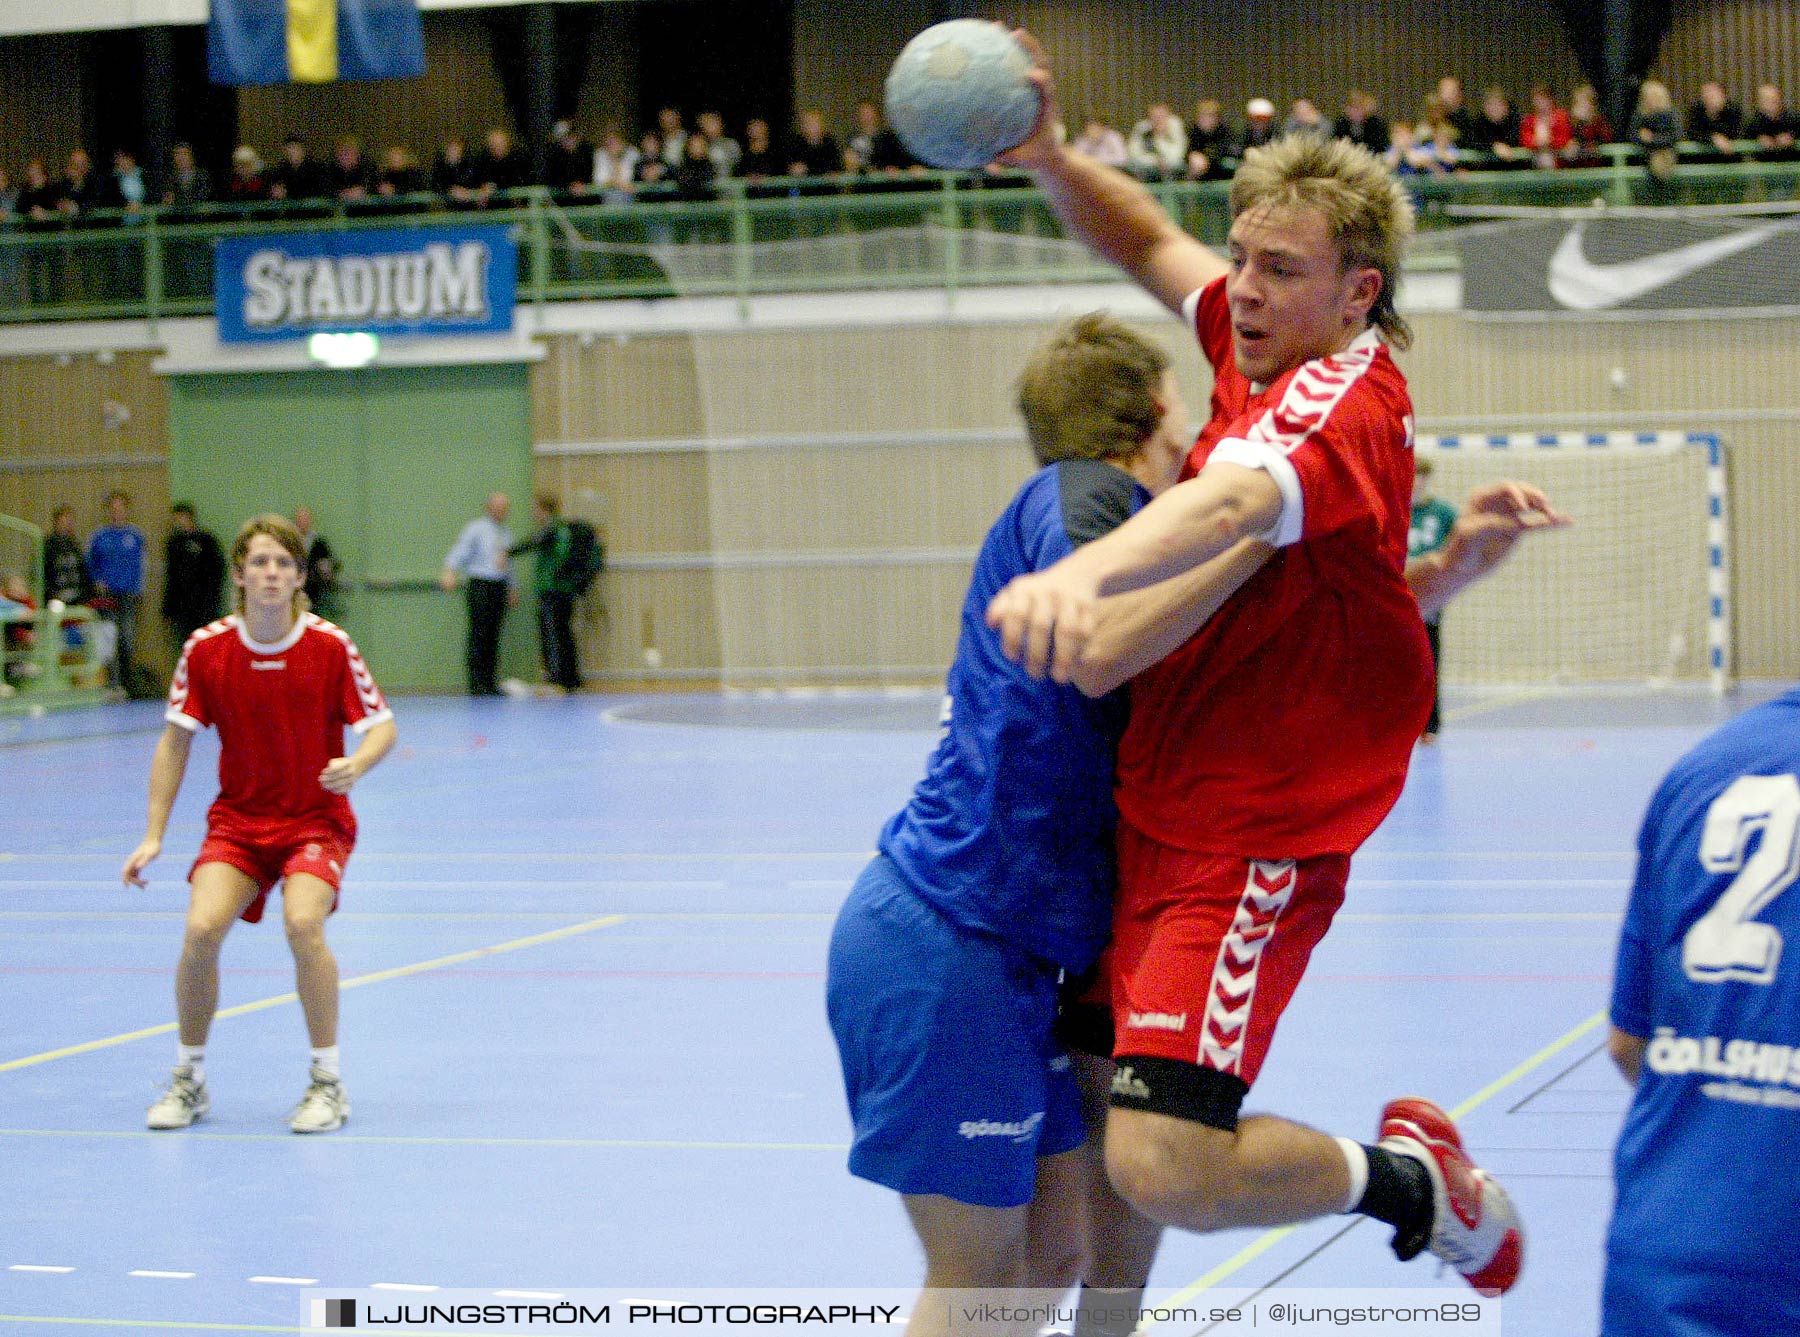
(947, 1036)
(1647, 1298)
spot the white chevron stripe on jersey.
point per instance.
(178, 684)
(1317, 388)
(359, 671)
(1267, 890)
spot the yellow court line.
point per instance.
(262, 1004)
(1523, 698)
(1269, 1239)
(596, 1143)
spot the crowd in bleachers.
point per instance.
(676, 160)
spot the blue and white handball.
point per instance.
(958, 96)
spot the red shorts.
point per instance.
(1208, 949)
(268, 851)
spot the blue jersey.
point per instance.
(1011, 830)
(1709, 973)
(115, 558)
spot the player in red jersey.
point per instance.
(281, 685)
(1260, 755)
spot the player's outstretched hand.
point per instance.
(132, 875)
(1040, 145)
(340, 774)
(1493, 519)
(1045, 621)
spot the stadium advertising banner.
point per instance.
(1633, 265)
(388, 281)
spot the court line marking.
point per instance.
(374, 977)
(1524, 698)
(1269, 1239)
(169, 1276)
(578, 1143)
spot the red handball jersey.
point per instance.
(1283, 729)
(280, 711)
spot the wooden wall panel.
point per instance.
(1741, 43)
(1113, 58)
(628, 389)
(459, 94)
(40, 101)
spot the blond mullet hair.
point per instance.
(281, 529)
(1366, 210)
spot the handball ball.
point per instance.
(958, 96)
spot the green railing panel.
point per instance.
(940, 230)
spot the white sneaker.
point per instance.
(323, 1108)
(184, 1102)
(517, 688)
(1475, 1227)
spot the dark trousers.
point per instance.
(1437, 691)
(487, 609)
(556, 634)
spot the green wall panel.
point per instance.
(393, 463)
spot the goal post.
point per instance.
(1638, 590)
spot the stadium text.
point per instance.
(439, 282)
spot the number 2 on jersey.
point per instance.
(1726, 943)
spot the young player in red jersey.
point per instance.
(281, 685)
(1259, 756)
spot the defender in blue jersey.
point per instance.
(1706, 1023)
(998, 875)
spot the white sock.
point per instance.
(1356, 1160)
(326, 1061)
(192, 1056)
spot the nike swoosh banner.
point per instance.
(1601, 266)
(313, 41)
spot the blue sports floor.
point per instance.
(583, 943)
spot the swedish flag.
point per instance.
(313, 41)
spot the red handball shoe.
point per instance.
(1474, 1227)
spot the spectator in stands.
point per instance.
(1405, 157)
(349, 177)
(1451, 108)
(569, 160)
(760, 158)
(9, 198)
(1715, 120)
(399, 175)
(1656, 128)
(322, 570)
(39, 195)
(813, 149)
(1545, 132)
(859, 147)
(615, 163)
(115, 560)
(1772, 125)
(1362, 122)
(1588, 129)
(1305, 118)
(891, 156)
(1157, 147)
(696, 180)
(1211, 144)
(649, 169)
(501, 165)
(1259, 122)
(297, 176)
(246, 184)
(671, 133)
(1441, 149)
(1496, 130)
(454, 175)
(65, 566)
(725, 151)
(193, 573)
(1102, 143)
(126, 189)
(80, 191)
(189, 184)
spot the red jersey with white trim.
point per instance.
(1284, 728)
(281, 711)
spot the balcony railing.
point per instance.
(933, 230)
